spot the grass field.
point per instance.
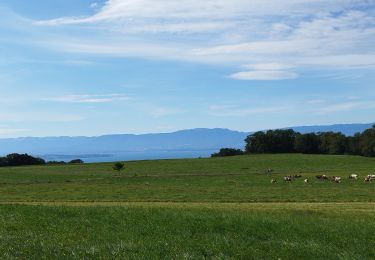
(197, 208)
(237, 179)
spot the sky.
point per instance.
(88, 67)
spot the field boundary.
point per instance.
(314, 206)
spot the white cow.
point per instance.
(370, 177)
(336, 179)
(353, 176)
(288, 179)
(306, 180)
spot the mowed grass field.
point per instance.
(219, 208)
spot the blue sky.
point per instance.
(86, 67)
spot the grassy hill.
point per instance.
(195, 208)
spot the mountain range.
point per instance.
(199, 142)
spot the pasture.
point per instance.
(194, 208)
(235, 179)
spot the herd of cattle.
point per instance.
(336, 179)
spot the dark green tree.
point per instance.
(272, 141)
(367, 142)
(353, 144)
(118, 166)
(332, 143)
(307, 143)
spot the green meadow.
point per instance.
(217, 208)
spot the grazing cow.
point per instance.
(353, 176)
(336, 179)
(321, 177)
(288, 178)
(306, 180)
(273, 181)
(369, 178)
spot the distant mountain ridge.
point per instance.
(184, 143)
(347, 129)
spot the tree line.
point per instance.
(16, 159)
(289, 141)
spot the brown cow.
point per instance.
(322, 177)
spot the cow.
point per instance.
(321, 177)
(353, 176)
(273, 181)
(306, 180)
(370, 177)
(288, 178)
(336, 179)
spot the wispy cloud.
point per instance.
(39, 117)
(159, 111)
(88, 98)
(236, 111)
(345, 106)
(244, 33)
(7, 132)
(264, 75)
(316, 101)
(94, 5)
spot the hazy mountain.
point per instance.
(185, 143)
(347, 129)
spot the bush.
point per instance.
(118, 166)
(228, 152)
(76, 161)
(56, 162)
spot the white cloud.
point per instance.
(266, 37)
(264, 75)
(88, 98)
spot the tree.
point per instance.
(272, 141)
(256, 143)
(332, 143)
(353, 144)
(118, 167)
(228, 152)
(367, 142)
(307, 143)
(16, 159)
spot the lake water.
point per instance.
(129, 156)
